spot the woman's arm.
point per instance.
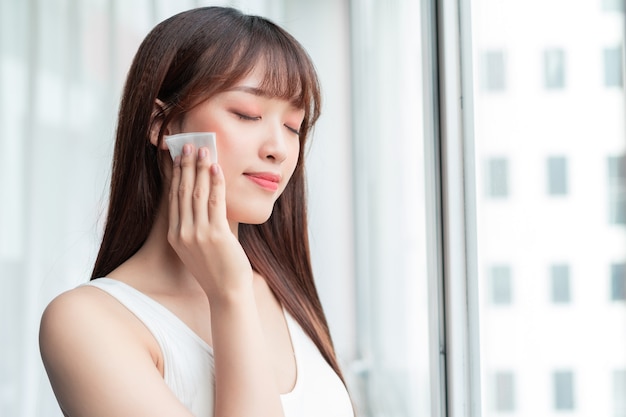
(98, 359)
(201, 235)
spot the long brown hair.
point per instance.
(183, 61)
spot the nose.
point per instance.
(274, 146)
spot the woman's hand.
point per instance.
(199, 231)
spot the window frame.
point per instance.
(458, 191)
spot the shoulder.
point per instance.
(89, 318)
(71, 311)
(91, 344)
(85, 323)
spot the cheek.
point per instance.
(294, 153)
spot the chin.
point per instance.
(252, 216)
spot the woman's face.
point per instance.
(257, 145)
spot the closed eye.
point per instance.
(246, 117)
(296, 131)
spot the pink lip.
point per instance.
(265, 180)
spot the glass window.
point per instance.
(563, 390)
(501, 293)
(557, 175)
(554, 69)
(498, 177)
(619, 393)
(493, 71)
(618, 281)
(504, 391)
(617, 189)
(613, 5)
(560, 250)
(613, 67)
(560, 280)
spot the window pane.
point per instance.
(618, 281)
(613, 67)
(504, 391)
(563, 390)
(619, 393)
(550, 205)
(498, 177)
(493, 71)
(557, 175)
(554, 69)
(501, 284)
(613, 5)
(560, 283)
(617, 189)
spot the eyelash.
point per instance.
(253, 118)
(248, 118)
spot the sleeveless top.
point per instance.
(189, 371)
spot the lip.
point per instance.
(266, 180)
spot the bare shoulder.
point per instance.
(85, 321)
(83, 315)
(93, 348)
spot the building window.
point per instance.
(613, 67)
(619, 393)
(493, 71)
(613, 5)
(498, 177)
(563, 390)
(618, 282)
(504, 391)
(559, 275)
(617, 189)
(554, 69)
(557, 175)
(501, 288)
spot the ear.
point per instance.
(156, 122)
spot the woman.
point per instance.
(202, 300)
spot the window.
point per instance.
(617, 189)
(498, 177)
(557, 175)
(613, 5)
(504, 391)
(554, 69)
(619, 393)
(493, 71)
(562, 189)
(613, 67)
(618, 281)
(559, 276)
(563, 390)
(501, 293)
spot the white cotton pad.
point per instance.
(198, 139)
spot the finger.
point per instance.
(201, 189)
(186, 185)
(217, 198)
(173, 196)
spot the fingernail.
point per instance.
(177, 161)
(215, 169)
(186, 149)
(202, 153)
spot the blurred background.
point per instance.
(467, 191)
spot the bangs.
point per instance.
(289, 71)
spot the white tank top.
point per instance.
(189, 369)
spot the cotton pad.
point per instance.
(198, 139)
